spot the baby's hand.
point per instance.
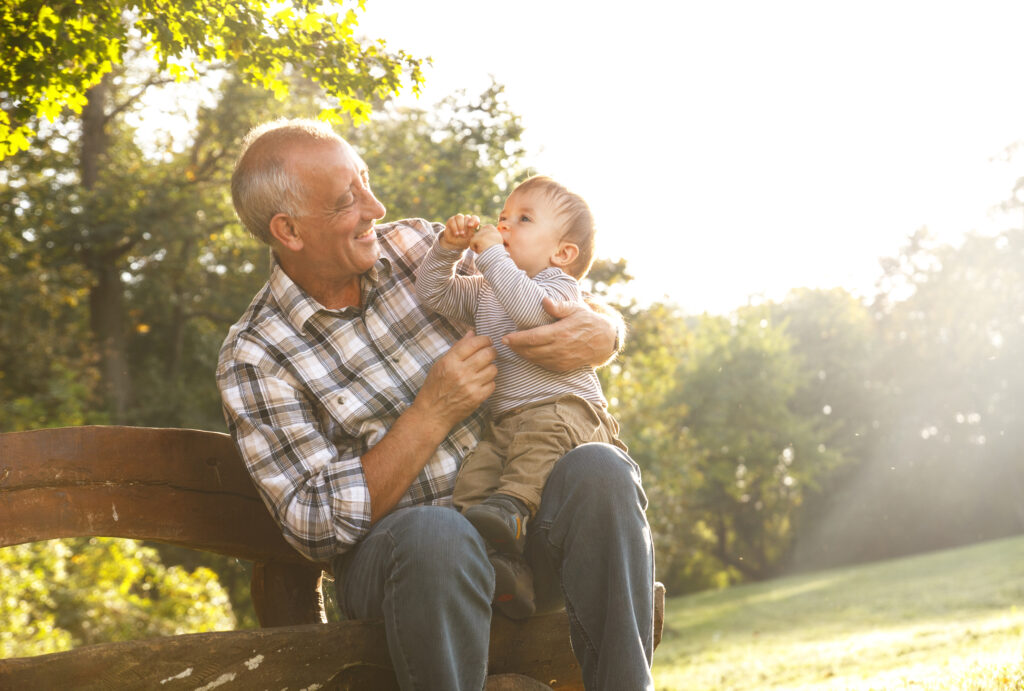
(458, 231)
(484, 237)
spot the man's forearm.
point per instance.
(392, 465)
(457, 384)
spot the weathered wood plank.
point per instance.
(340, 655)
(184, 487)
(659, 611)
(286, 594)
(215, 522)
(124, 455)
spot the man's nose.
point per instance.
(372, 208)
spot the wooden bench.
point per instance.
(190, 488)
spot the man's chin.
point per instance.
(370, 254)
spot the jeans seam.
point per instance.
(389, 586)
(570, 611)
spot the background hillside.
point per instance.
(945, 620)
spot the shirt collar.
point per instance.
(299, 307)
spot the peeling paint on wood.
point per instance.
(219, 681)
(182, 675)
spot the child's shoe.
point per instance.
(501, 520)
(513, 586)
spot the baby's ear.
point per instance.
(565, 255)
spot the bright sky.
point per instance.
(736, 149)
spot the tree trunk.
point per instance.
(106, 305)
(106, 297)
(94, 132)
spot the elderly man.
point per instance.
(353, 407)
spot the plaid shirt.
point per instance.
(307, 391)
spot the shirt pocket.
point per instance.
(362, 414)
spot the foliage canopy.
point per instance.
(64, 593)
(54, 52)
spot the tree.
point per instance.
(762, 455)
(84, 57)
(48, 369)
(641, 387)
(942, 464)
(715, 411)
(837, 341)
(54, 53)
(78, 242)
(953, 348)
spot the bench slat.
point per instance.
(341, 655)
(185, 487)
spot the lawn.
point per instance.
(944, 620)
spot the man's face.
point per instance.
(338, 212)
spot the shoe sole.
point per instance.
(496, 531)
(512, 601)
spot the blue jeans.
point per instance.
(425, 571)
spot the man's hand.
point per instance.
(579, 338)
(484, 237)
(456, 385)
(458, 231)
(459, 381)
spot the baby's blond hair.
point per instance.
(578, 222)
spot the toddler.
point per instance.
(543, 244)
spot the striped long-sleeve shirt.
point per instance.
(501, 299)
(307, 391)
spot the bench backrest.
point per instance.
(184, 487)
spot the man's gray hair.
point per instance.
(262, 184)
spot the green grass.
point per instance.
(945, 620)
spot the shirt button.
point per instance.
(341, 400)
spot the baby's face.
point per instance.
(531, 230)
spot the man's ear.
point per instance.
(565, 255)
(283, 229)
